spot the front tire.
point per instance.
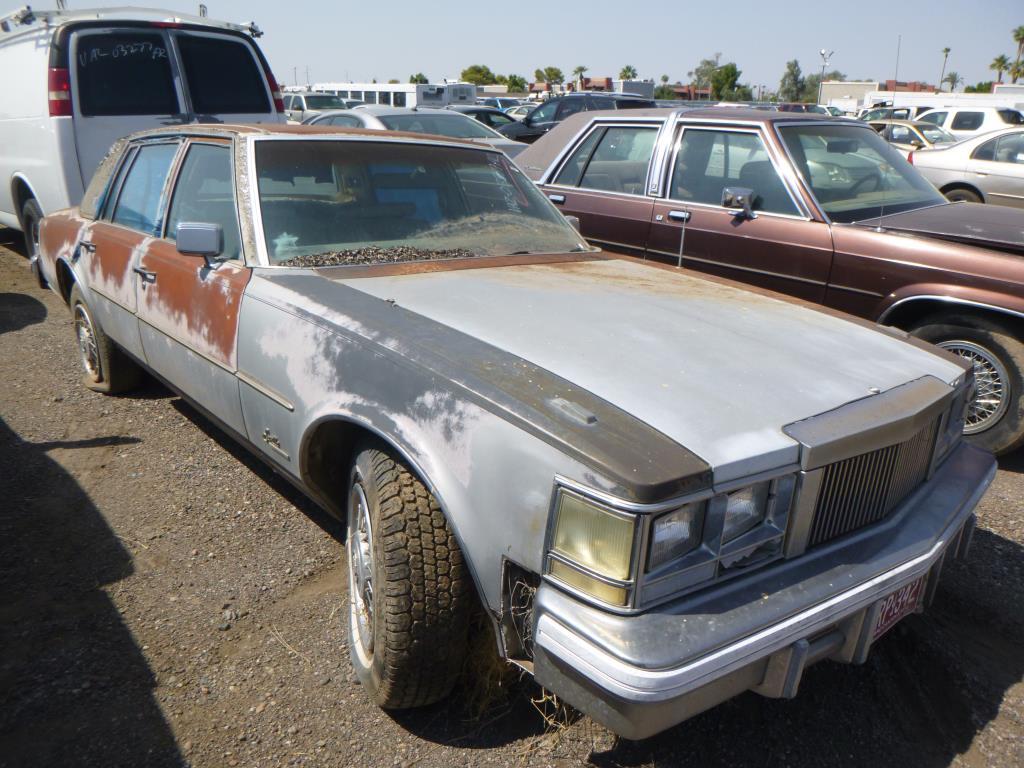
(963, 196)
(410, 595)
(105, 367)
(995, 419)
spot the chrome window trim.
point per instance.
(555, 167)
(601, 192)
(729, 211)
(172, 173)
(668, 170)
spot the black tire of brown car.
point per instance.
(422, 592)
(961, 195)
(1008, 433)
(117, 372)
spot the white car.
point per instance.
(76, 81)
(520, 111)
(986, 169)
(964, 122)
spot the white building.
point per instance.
(402, 94)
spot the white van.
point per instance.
(75, 81)
(964, 122)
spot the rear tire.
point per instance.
(410, 595)
(963, 196)
(995, 419)
(105, 367)
(31, 215)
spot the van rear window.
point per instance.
(124, 73)
(223, 76)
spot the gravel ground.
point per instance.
(169, 601)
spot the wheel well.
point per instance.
(964, 186)
(918, 312)
(65, 280)
(21, 193)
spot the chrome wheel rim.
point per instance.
(992, 394)
(87, 349)
(360, 564)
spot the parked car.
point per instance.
(660, 488)
(300, 107)
(890, 113)
(78, 80)
(500, 103)
(489, 116)
(964, 122)
(520, 111)
(822, 210)
(420, 120)
(910, 135)
(553, 111)
(801, 107)
(986, 169)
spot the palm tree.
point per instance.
(1016, 71)
(577, 75)
(1018, 38)
(945, 58)
(664, 79)
(628, 72)
(954, 79)
(1000, 64)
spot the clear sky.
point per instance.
(386, 39)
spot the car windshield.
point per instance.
(325, 102)
(854, 173)
(936, 135)
(452, 125)
(345, 202)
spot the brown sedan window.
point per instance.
(709, 161)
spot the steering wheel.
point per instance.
(874, 176)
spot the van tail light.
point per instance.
(275, 91)
(910, 158)
(58, 86)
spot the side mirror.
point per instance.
(200, 239)
(574, 222)
(740, 200)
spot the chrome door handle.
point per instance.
(145, 274)
(83, 245)
(682, 216)
(557, 199)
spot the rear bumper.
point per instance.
(639, 675)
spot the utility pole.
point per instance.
(896, 74)
(307, 74)
(295, 75)
(826, 56)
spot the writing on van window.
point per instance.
(132, 51)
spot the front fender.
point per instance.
(902, 301)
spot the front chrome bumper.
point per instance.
(639, 675)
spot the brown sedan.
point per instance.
(822, 210)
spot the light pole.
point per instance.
(826, 56)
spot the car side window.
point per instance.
(140, 202)
(1010, 149)
(967, 121)
(620, 161)
(572, 171)
(496, 121)
(938, 118)
(986, 151)
(288, 101)
(708, 161)
(545, 113)
(901, 135)
(344, 120)
(205, 192)
(570, 107)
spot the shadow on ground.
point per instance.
(74, 687)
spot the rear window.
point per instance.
(967, 121)
(124, 73)
(633, 104)
(1011, 116)
(223, 76)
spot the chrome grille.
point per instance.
(864, 489)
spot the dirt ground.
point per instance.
(168, 601)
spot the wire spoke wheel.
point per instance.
(87, 347)
(992, 396)
(361, 565)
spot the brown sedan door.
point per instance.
(778, 248)
(602, 182)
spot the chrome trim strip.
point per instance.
(630, 506)
(851, 289)
(264, 390)
(740, 268)
(604, 193)
(948, 299)
(801, 514)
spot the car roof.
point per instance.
(230, 131)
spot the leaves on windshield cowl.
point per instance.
(375, 255)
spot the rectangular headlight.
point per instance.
(674, 534)
(744, 509)
(594, 537)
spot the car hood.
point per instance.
(987, 226)
(718, 369)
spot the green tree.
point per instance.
(578, 72)
(628, 72)
(812, 81)
(983, 87)
(945, 58)
(700, 76)
(1000, 64)
(393, 81)
(516, 84)
(1018, 38)
(418, 78)
(553, 75)
(954, 80)
(723, 81)
(1017, 71)
(791, 86)
(478, 74)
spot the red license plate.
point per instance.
(899, 604)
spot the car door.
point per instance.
(997, 168)
(187, 308)
(539, 122)
(603, 182)
(781, 248)
(109, 251)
